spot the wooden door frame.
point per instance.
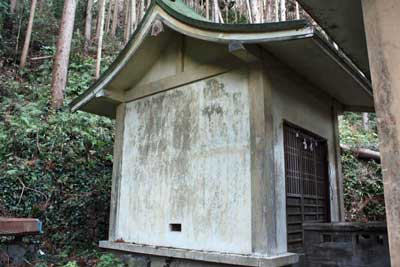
(326, 156)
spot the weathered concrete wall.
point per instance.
(185, 54)
(186, 160)
(165, 64)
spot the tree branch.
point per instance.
(363, 153)
(28, 188)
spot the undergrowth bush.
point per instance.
(109, 260)
(55, 166)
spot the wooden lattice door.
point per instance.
(307, 182)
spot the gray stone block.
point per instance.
(346, 245)
(17, 252)
(135, 261)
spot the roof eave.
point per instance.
(343, 21)
(344, 62)
(220, 33)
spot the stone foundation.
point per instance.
(17, 252)
(136, 260)
(346, 245)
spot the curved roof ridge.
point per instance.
(180, 7)
(182, 12)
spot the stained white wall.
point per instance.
(186, 159)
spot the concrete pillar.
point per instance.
(117, 170)
(382, 20)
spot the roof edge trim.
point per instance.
(344, 62)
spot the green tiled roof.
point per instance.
(180, 7)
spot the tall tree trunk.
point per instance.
(255, 11)
(115, 18)
(276, 10)
(133, 19)
(240, 11)
(100, 26)
(269, 11)
(28, 35)
(109, 14)
(13, 6)
(250, 11)
(40, 5)
(236, 19)
(263, 11)
(297, 10)
(127, 27)
(10, 20)
(88, 27)
(61, 60)
(19, 29)
(365, 121)
(196, 7)
(221, 19)
(283, 10)
(217, 16)
(383, 37)
(142, 9)
(208, 9)
(227, 13)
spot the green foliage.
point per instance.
(71, 264)
(363, 184)
(4, 5)
(109, 260)
(363, 189)
(353, 133)
(55, 166)
(6, 19)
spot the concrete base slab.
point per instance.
(252, 260)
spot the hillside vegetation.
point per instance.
(363, 184)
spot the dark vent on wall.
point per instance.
(175, 227)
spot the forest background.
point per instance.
(56, 165)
